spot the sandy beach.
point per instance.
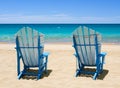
(61, 69)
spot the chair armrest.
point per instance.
(45, 54)
(102, 54)
(41, 46)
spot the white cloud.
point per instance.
(55, 18)
(97, 19)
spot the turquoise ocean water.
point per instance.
(61, 32)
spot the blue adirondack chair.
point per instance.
(30, 48)
(87, 45)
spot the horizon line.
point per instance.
(60, 23)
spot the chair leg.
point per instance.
(18, 66)
(101, 68)
(46, 64)
(20, 75)
(39, 73)
(78, 71)
(95, 76)
(98, 70)
(39, 76)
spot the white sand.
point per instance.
(61, 68)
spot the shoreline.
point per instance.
(61, 43)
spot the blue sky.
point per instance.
(59, 11)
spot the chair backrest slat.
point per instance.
(27, 37)
(86, 39)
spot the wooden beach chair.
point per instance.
(30, 48)
(87, 45)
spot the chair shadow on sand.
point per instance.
(45, 74)
(101, 76)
